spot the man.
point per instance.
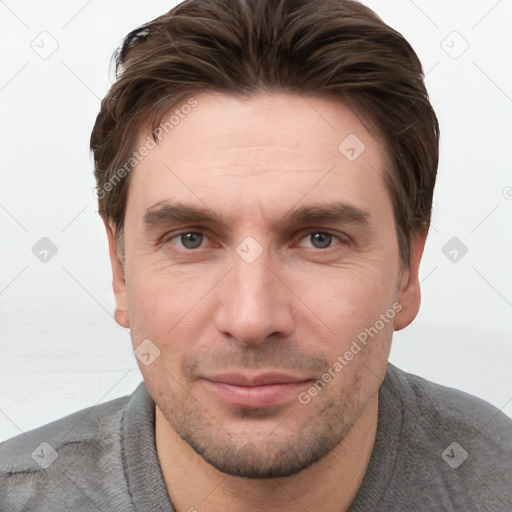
(265, 172)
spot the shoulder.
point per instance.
(55, 461)
(454, 447)
(448, 408)
(84, 426)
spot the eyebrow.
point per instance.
(166, 212)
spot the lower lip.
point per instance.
(253, 397)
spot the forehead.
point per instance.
(274, 149)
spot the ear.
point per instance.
(118, 279)
(410, 294)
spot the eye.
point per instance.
(188, 239)
(322, 239)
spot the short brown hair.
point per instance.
(241, 47)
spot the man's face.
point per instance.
(253, 307)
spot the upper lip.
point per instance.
(261, 379)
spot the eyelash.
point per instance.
(343, 239)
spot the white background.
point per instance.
(60, 349)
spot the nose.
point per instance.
(253, 302)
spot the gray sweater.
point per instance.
(437, 449)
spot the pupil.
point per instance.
(191, 240)
(323, 240)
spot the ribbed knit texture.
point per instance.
(107, 459)
(145, 479)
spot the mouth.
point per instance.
(255, 391)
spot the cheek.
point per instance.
(350, 304)
(352, 298)
(163, 303)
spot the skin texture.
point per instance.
(295, 309)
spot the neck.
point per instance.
(195, 485)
